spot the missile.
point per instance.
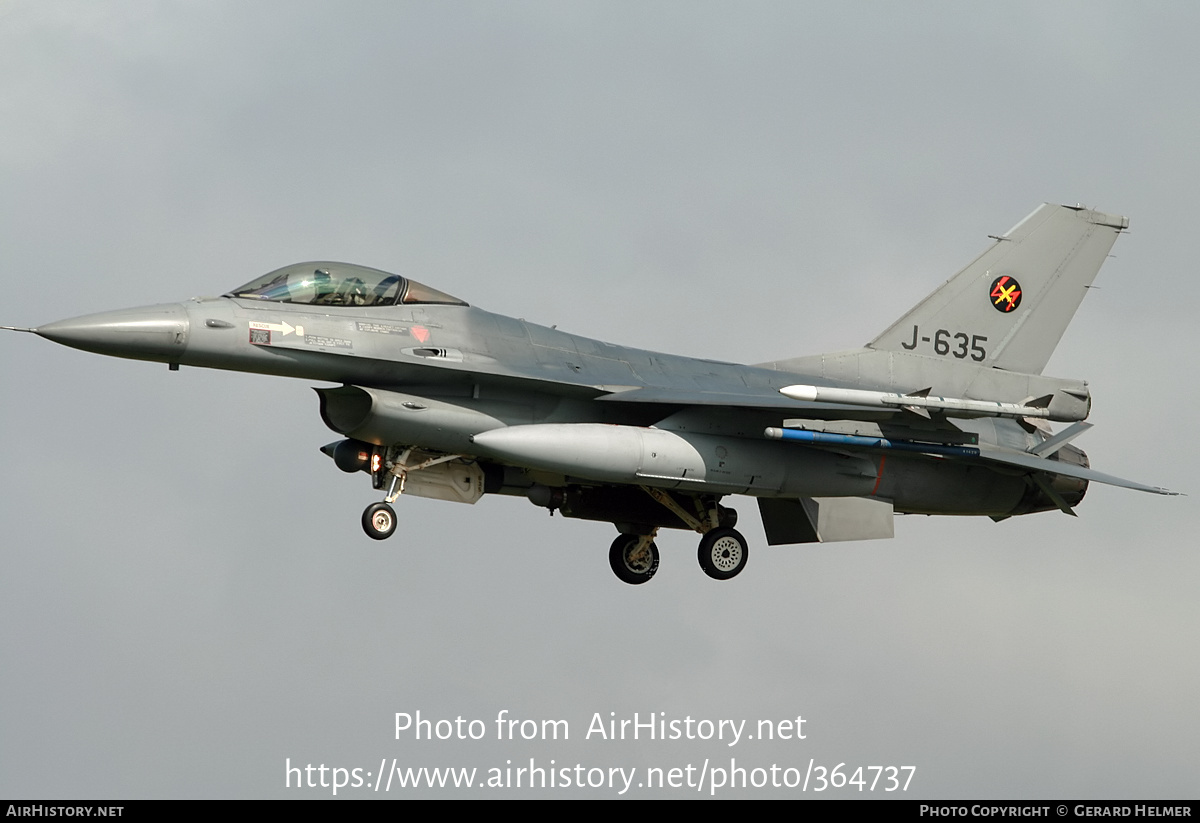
(829, 439)
(950, 406)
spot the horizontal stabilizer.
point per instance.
(980, 452)
(1041, 464)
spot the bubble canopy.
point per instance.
(340, 284)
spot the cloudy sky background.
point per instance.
(187, 598)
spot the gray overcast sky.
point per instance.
(187, 599)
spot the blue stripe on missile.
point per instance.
(826, 439)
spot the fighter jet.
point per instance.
(946, 412)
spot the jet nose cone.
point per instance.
(145, 333)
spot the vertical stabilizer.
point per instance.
(1009, 308)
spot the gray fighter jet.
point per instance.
(945, 412)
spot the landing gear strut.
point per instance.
(390, 467)
(723, 550)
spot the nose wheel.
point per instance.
(379, 521)
(723, 553)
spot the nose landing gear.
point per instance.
(379, 521)
(438, 478)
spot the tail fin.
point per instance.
(1009, 308)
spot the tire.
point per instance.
(379, 521)
(630, 568)
(723, 553)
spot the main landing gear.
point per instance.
(723, 550)
(634, 558)
(723, 553)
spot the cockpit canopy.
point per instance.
(340, 284)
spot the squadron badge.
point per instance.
(1005, 294)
